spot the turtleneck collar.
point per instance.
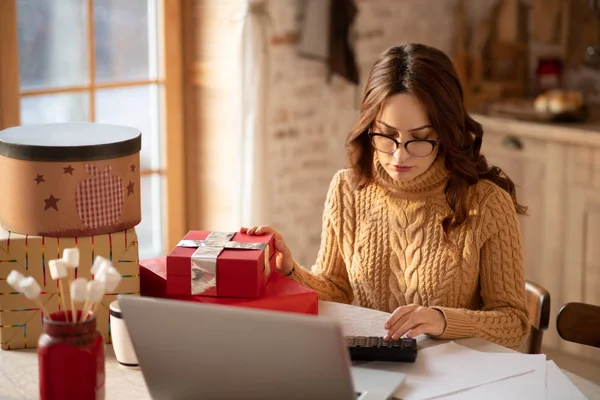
(429, 183)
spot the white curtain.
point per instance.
(252, 196)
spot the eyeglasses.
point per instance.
(414, 147)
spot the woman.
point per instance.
(419, 225)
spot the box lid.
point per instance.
(78, 141)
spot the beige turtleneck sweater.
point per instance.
(382, 247)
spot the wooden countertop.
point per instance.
(585, 134)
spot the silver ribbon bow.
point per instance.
(204, 259)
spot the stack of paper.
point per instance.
(452, 371)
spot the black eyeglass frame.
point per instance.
(372, 136)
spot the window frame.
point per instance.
(171, 103)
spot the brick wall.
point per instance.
(310, 117)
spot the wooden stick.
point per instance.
(86, 309)
(93, 307)
(63, 300)
(73, 310)
(38, 301)
(73, 306)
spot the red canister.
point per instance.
(70, 360)
(549, 74)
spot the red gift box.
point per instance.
(280, 293)
(224, 264)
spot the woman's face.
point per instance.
(403, 118)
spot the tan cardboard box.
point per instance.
(21, 318)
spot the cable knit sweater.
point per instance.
(382, 247)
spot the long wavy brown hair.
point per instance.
(428, 74)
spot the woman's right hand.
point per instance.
(284, 262)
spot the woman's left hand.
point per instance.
(414, 320)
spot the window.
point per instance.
(105, 61)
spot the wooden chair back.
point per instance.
(538, 301)
(579, 323)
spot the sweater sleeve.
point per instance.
(329, 277)
(503, 317)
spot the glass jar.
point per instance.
(70, 359)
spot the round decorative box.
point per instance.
(70, 179)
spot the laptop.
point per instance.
(192, 350)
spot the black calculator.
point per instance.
(373, 348)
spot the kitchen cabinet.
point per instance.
(524, 161)
(581, 274)
(560, 183)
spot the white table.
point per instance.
(19, 368)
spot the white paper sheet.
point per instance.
(547, 382)
(530, 386)
(367, 323)
(559, 386)
(451, 368)
(375, 384)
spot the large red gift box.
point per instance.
(280, 294)
(224, 264)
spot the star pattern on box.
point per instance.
(68, 170)
(129, 188)
(39, 179)
(51, 202)
(132, 168)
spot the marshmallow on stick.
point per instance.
(78, 294)
(71, 258)
(111, 278)
(100, 265)
(31, 290)
(59, 271)
(94, 293)
(14, 279)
